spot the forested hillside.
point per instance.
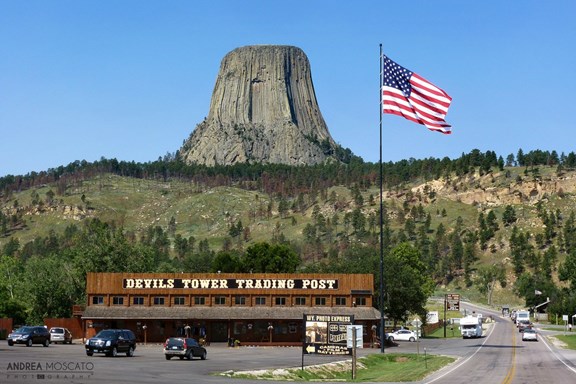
(479, 224)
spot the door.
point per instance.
(218, 332)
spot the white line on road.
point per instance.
(543, 338)
(465, 361)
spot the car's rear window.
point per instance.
(57, 330)
(175, 342)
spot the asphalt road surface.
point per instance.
(499, 357)
(502, 357)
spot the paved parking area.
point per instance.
(69, 363)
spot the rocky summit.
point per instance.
(263, 110)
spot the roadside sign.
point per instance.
(327, 334)
(359, 336)
(452, 302)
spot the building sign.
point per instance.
(326, 334)
(321, 284)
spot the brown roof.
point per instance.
(219, 313)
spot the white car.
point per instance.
(529, 334)
(402, 335)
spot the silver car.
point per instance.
(60, 335)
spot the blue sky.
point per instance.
(130, 79)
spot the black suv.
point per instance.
(30, 335)
(111, 342)
(183, 348)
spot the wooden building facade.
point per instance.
(252, 308)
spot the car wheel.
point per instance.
(113, 352)
(46, 343)
(168, 357)
(29, 343)
(412, 339)
(130, 352)
(203, 356)
(391, 339)
(88, 353)
(10, 343)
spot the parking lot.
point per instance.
(69, 363)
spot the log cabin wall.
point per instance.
(227, 305)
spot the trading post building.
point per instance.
(252, 308)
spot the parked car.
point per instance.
(183, 348)
(60, 335)
(29, 335)
(111, 342)
(529, 334)
(402, 335)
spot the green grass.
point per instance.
(569, 340)
(400, 367)
(395, 367)
(451, 331)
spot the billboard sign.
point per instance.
(326, 334)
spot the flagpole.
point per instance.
(382, 330)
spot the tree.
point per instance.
(266, 258)
(510, 160)
(509, 216)
(283, 207)
(226, 262)
(407, 285)
(567, 270)
(532, 287)
(487, 278)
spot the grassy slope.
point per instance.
(208, 213)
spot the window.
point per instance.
(260, 301)
(220, 300)
(360, 301)
(117, 300)
(158, 300)
(138, 300)
(97, 300)
(199, 300)
(320, 301)
(180, 300)
(280, 301)
(341, 301)
(300, 301)
(240, 300)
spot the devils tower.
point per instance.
(263, 110)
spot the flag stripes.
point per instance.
(409, 95)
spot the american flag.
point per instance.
(406, 94)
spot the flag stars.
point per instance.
(397, 77)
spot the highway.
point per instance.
(502, 357)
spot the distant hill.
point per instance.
(463, 216)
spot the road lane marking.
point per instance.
(543, 338)
(467, 359)
(512, 370)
